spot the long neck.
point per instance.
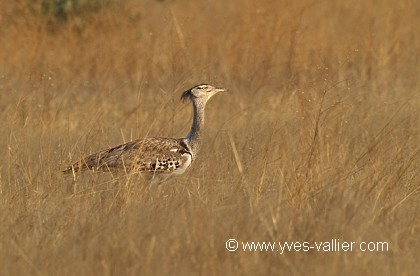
(193, 138)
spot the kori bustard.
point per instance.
(155, 158)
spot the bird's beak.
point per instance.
(221, 90)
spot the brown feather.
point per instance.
(144, 155)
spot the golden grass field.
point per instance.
(318, 139)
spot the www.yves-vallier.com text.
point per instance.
(333, 245)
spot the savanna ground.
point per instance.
(317, 140)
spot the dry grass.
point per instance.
(319, 138)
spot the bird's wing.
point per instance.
(143, 155)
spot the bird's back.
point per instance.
(149, 155)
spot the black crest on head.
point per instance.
(186, 95)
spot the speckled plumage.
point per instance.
(147, 155)
(156, 158)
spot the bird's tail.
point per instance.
(78, 166)
(71, 169)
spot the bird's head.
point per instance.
(201, 92)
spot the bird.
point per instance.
(155, 158)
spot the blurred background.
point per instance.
(317, 139)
